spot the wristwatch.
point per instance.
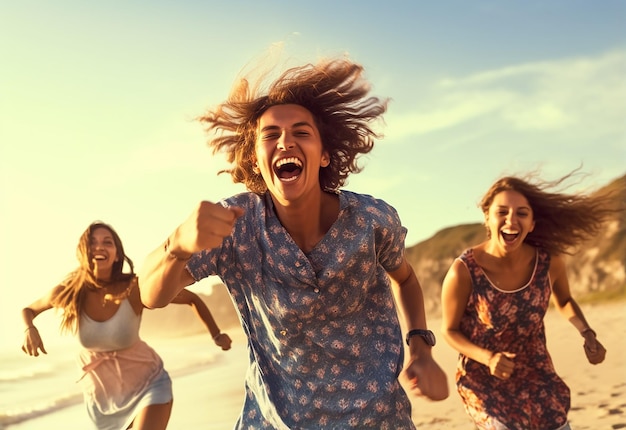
(427, 335)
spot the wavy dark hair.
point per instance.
(335, 93)
(71, 297)
(562, 221)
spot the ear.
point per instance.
(325, 161)
(532, 227)
(255, 168)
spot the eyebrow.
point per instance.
(295, 125)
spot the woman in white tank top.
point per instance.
(122, 375)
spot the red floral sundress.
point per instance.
(535, 397)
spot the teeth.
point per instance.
(99, 257)
(289, 160)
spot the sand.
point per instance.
(212, 398)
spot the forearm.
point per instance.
(459, 342)
(410, 300)
(562, 297)
(411, 303)
(31, 312)
(203, 312)
(28, 316)
(162, 277)
(32, 343)
(572, 312)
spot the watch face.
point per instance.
(429, 337)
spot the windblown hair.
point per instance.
(562, 221)
(71, 297)
(335, 93)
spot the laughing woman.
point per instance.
(123, 381)
(496, 294)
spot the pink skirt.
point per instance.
(118, 384)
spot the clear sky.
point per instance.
(97, 101)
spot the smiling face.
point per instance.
(102, 252)
(509, 219)
(289, 152)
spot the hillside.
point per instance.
(596, 269)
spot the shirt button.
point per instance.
(317, 290)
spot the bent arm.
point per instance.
(32, 340)
(455, 292)
(162, 277)
(569, 309)
(410, 298)
(186, 297)
(425, 375)
(562, 297)
(163, 274)
(202, 311)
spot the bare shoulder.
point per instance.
(56, 291)
(557, 266)
(458, 273)
(133, 296)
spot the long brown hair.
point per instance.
(562, 221)
(335, 93)
(71, 297)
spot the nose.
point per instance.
(285, 141)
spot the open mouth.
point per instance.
(288, 169)
(509, 237)
(99, 257)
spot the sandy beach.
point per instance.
(212, 398)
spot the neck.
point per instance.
(508, 257)
(102, 275)
(308, 221)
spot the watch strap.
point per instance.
(427, 335)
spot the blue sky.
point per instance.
(98, 99)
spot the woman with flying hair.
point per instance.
(123, 381)
(496, 294)
(312, 269)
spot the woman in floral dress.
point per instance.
(495, 297)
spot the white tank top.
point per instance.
(120, 331)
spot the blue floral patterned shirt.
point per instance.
(324, 339)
